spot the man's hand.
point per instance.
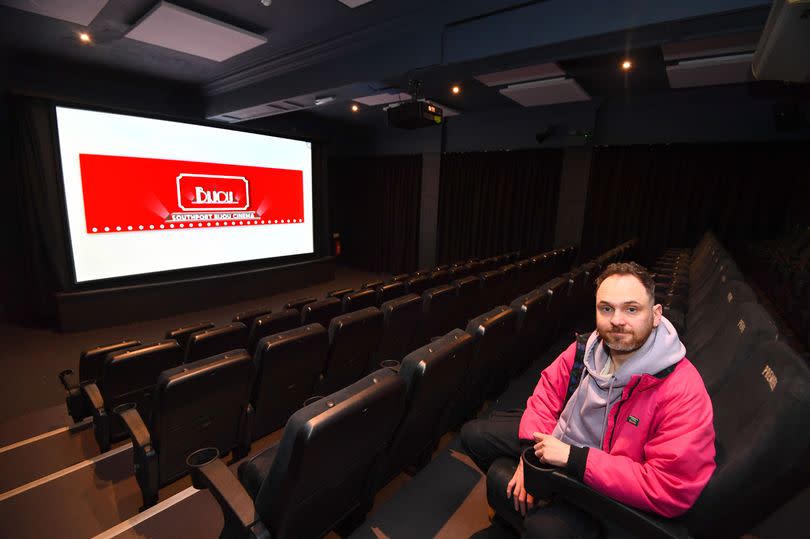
(522, 499)
(550, 450)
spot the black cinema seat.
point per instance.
(439, 306)
(372, 284)
(182, 334)
(197, 405)
(493, 350)
(91, 363)
(321, 472)
(359, 300)
(468, 290)
(321, 312)
(741, 330)
(534, 328)
(391, 291)
(400, 277)
(210, 342)
(353, 340)
(556, 289)
(288, 365)
(247, 317)
(339, 293)
(490, 291)
(762, 450)
(128, 376)
(509, 284)
(458, 407)
(400, 319)
(270, 324)
(299, 303)
(430, 373)
(418, 284)
(439, 277)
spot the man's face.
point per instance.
(625, 314)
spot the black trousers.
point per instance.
(486, 440)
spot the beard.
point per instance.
(624, 341)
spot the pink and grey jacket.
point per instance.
(657, 438)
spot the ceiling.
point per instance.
(310, 49)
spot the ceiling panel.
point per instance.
(546, 92)
(711, 71)
(77, 11)
(180, 29)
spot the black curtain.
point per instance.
(374, 205)
(41, 263)
(668, 195)
(495, 202)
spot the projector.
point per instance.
(414, 114)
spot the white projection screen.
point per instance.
(146, 195)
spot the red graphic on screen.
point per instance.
(123, 194)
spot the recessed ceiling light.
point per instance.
(627, 65)
(355, 108)
(456, 89)
(84, 37)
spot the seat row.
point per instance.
(760, 392)
(346, 345)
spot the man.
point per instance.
(636, 424)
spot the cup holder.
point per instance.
(392, 364)
(121, 408)
(197, 460)
(536, 475)
(313, 399)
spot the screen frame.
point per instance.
(208, 270)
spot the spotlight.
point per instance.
(84, 37)
(355, 108)
(627, 65)
(456, 89)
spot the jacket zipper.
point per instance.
(619, 409)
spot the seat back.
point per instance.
(762, 442)
(430, 373)
(391, 291)
(326, 459)
(270, 324)
(214, 341)
(439, 277)
(727, 294)
(458, 344)
(533, 327)
(339, 293)
(131, 375)
(353, 340)
(200, 404)
(182, 334)
(321, 312)
(509, 286)
(359, 300)
(438, 314)
(372, 284)
(490, 294)
(400, 277)
(467, 291)
(494, 334)
(288, 365)
(557, 304)
(742, 330)
(400, 319)
(418, 284)
(91, 361)
(299, 303)
(247, 317)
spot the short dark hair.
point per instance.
(630, 268)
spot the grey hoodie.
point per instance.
(584, 419)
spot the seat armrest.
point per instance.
(66, 377)
(144, 454)
(138, 433)
(541, 479)
(237, 506)
(101, 421)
